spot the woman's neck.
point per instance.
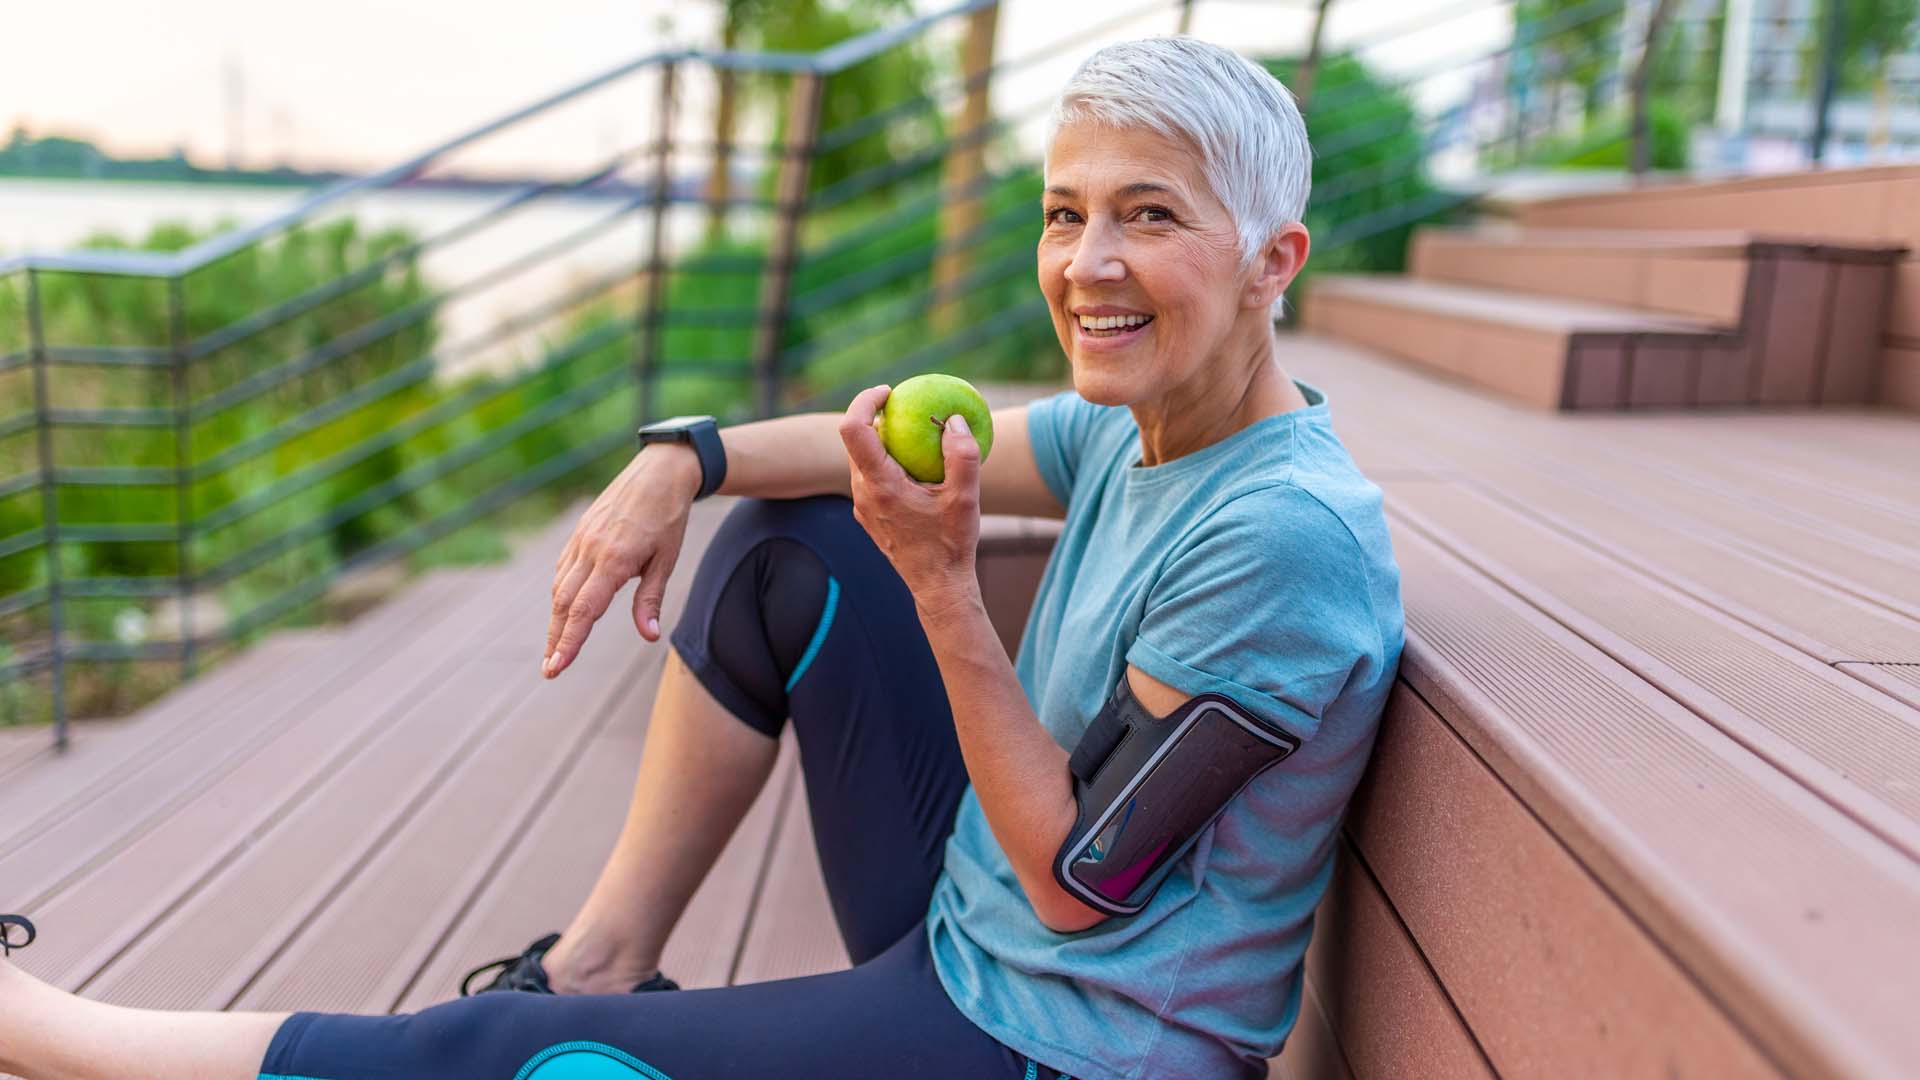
(1240, 386)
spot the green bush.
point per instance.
(301, 486)
(1370, 190)
(1608, 144)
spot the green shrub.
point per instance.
(1608, 144)
(1370, 189)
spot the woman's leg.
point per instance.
(792, 613)
(700, 770)
(48, 1034)
(881, 759)
(885, 1019)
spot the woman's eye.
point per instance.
(1155, 213)
(1062, 215)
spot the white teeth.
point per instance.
(1113, 322)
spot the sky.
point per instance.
(363, 83)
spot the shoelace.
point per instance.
(466, 984)
(7, 941)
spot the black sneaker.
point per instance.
(524, 973)
(9, 942)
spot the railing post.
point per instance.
(182, 468)
(1830, 50)
(647, 334)
(719, 191)
(1642, 80)
(965, 165)
(1309, 72)
(1186, 17)
(49, 506)
(796, 165)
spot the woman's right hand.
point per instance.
(634, 529)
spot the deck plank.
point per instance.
(1789, 912)
(1505, 913)
(1312, 1051)
(1858, 748)
(183, 836)
(1901, 681)
(344, 951)
(193, 737)
(1391, 1015)
(1485, 438)
(1824, 622)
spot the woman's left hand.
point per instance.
(928, 531)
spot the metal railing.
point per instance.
(222, 469)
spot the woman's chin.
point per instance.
(1102, 384)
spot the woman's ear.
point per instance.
(1277, 265)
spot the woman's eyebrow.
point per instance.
(1139, 187)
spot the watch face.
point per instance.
(674, 423)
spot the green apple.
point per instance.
(915, 416)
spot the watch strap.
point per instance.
(704, 436)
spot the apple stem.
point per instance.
(937, 422)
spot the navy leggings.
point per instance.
(794, 613)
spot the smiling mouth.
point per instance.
(1112, 326)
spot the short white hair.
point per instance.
(1252, 141)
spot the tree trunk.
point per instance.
(965, 171)
(720, 180)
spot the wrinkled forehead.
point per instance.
(1096, 160)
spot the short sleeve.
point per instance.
(1059, 428)
(1267, 602)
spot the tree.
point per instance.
(1876, 31)
(1577, 38)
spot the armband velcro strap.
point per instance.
(1102, 736)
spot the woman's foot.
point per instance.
(576, 965)
(536, 970)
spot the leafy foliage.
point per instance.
(1875, 31)
(1577, 38)
(1370, 190)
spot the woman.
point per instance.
(1218, 542)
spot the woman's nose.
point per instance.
(1096, 259)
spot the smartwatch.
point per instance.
(699, 432)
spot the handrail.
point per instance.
(827, 61)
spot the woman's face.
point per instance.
(1139, 262)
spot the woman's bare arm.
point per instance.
(636, 526)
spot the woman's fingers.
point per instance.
(856, 430)
(566, 584)
(652, 593)
(962, 456)
(585, 609)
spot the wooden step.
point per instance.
(1786, 911)
(1505, 914)
(1703, 275)
(1547, 352)
(1377, 993)
(1874, 205)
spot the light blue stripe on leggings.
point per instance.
(819, 633)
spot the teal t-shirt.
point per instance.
(1260, 568)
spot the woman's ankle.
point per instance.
(589, 961)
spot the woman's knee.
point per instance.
(821, 522)
(758, 601)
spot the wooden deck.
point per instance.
(1648, 795)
